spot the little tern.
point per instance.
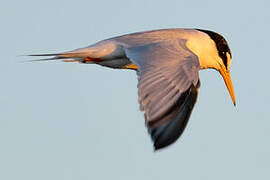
(167, 62)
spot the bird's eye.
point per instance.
(224, 57)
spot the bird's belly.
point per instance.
(120, 63)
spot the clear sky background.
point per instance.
(72, 121)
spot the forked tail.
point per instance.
(84, 55)
(92, 54)
(64, 57)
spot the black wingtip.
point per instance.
(167, 133)
(157, 148)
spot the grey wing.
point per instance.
(167, 88)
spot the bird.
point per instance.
(167, 62)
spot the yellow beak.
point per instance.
(228, 81)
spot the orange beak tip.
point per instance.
(227, 79)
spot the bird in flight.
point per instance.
(167, 62)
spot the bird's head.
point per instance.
(214, 52)
(223, 59)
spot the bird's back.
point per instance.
(154, 36)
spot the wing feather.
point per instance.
(168, 78)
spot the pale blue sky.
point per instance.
(71, 121)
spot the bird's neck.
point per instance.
(205, 48)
